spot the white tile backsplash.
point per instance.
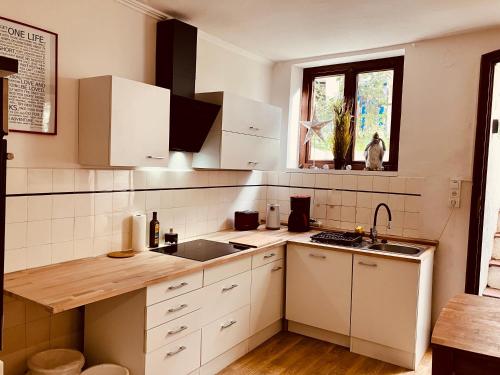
(63, 206)
(103, 180)
(16, 209)
(39, 180)
(38, 232)
(44, 229)
(84, 180)
(63, 230)
(38, 256)
(63, 180)
(17, 181)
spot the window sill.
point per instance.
(342, 171)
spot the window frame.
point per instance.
(350, 72)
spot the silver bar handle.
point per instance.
(178, 308)
(277, 268)
(155, 157)
(317, 256)
(180, 349)
(361, 263)
(267, 256)
(228, 324)
(228, 288)
(174, 331)
(174, 287)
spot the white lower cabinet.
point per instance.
(198, 323)
(318, 288)
(267, 295)
(391, 302)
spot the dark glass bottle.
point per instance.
(154, 231)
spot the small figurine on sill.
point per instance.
(374, 154)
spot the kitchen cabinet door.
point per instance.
(240, 151)
(246, 116)
(267, 295)
(318, 288)
(123, 123)
(384, 301)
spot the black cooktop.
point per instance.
(200, 250)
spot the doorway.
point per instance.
(485, 205)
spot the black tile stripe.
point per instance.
(206, 187)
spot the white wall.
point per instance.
(492, 196)
(99, 37)
(437, 137)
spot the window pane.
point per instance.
(326, 91)
(373, 110)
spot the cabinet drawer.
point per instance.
(267, 295)
(226, 270)
(246, 116)
(224, 333)
(173, 308)
(173, 288)
(226, 296)
(241, 151)
(180, 357)
(173, 330)
(268, 256)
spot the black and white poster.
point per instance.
(32, 91)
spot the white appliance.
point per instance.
(273, 216)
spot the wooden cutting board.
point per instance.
(254, 240)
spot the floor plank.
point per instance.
(293, 354)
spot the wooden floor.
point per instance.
(289, 353)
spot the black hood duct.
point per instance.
(190, 119)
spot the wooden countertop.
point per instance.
(470, 323)
(72, 284)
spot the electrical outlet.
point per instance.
(455, 192)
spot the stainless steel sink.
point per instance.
(396, 248)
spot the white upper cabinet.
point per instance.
(244, 136)
(123, 123)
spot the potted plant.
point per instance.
(342, 132)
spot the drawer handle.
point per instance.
(180, 329)
(155, 157)
(254, 128)
(174, 287)
(361, 263)
(253, 162)
(180, 349)
(276, 269)
(317, 256)
(269, 256)
(178, 308)
(228, 324)
(228, 288)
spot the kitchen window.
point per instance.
(375, 88)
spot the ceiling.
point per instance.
(292, 29)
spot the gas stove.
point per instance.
(200, 250)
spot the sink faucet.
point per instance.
(373, 230)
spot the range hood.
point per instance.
(8, 66)
(190, 119)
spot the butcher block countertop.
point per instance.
(72, 284)
(470, 323)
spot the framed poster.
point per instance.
(32, 91)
